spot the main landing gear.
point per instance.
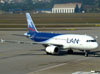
(70, 51)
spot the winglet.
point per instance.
(2, 41)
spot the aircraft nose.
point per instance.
(95, 45)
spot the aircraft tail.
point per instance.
(30, 24)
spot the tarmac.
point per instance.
(18, 58)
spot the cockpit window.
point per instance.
(91, 40)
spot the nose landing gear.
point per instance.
(86, 53)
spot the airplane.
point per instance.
(55, 42)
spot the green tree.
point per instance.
(77, 9)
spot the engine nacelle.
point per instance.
(52, 49)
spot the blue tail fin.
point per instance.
(31, 26)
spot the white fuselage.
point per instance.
(74, 41)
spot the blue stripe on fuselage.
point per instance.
(40, 37)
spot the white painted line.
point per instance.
(48, 68)
(56, 66)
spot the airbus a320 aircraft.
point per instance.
(54, 42)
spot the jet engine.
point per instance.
(52, 49)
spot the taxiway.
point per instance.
(31, 59)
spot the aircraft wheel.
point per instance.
(48, 53)
(70, 51)
(86, 53)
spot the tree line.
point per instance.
(29, 5)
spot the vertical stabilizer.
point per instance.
(30, 23)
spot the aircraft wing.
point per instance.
(15, 41)
(28, 42)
